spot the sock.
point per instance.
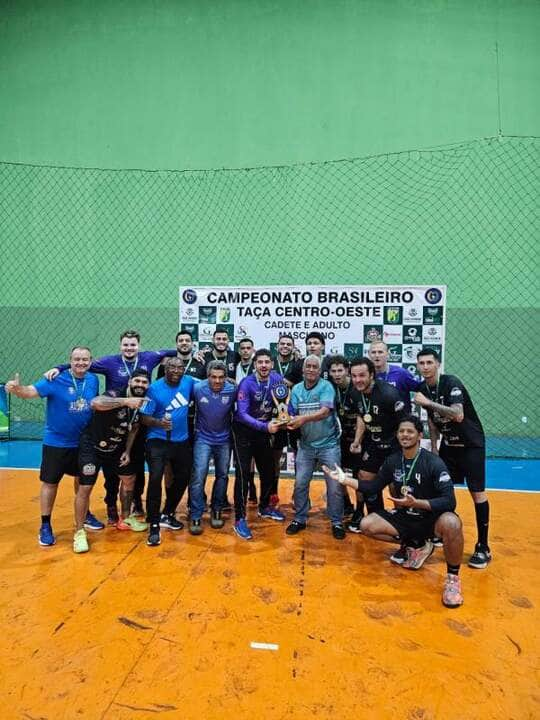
(45, 519)
(452, 569)
(482, 521)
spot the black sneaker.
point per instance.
(170, 522)
(338, 531)
(295, 527)
(354, 525)
(195, 527)
(399, 556)
(216, 521)
(481, 557)
(437, 541)
(154, 536)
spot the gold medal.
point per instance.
(80, 404)
(405, 490)
(367, 418)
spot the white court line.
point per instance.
(264, 646)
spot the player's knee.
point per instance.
(368, 524)
(448, 523)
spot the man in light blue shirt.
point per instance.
(313, 406)
(214, 402)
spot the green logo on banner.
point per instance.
(433, 315)
(352, 350)
(393, 315)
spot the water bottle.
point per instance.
(168, 416)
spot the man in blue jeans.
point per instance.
(214, 401)
(313, 406)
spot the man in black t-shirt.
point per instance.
(221, 351)
(451, 414)
(347, 413)
(107, 442)
(314, 346)
(424, 500)
(184, 350)
(379, 409)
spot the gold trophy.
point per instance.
(280, 396)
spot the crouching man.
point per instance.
(424, 500)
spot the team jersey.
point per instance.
(426, 476)
(308, 401)
(295, 373)
(191, 367)
(255, 405)
(231, 360)
(347, 411)
(384, 409)
(68, 407)
(173, 399)
(402, 380)
(109, 429)
(448, 391)
(117, 370)
(213, 412)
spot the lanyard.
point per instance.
(261, 389)
(283, 369)
(341, 398)
(406, 476)
(135, 363)
(245, 372)
(74, 381)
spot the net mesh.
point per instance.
(88, 253)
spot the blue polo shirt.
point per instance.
(213, 412)
(321, 433)
(68, 407)
(173, 399)
(402, 380)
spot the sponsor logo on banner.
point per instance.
(206, 332)
(189, 296)
(410, 352)
(224, 315)
(241, 332)
(352, 350)
(412, 334)
(393, 315)
(395, 353)
(433, 296)
(372, 333)
(392, 335)
(433, 333)
(189, 314)
(433, 315)
(207, 314)
(191, 328)
(411, 368)
(412, 314)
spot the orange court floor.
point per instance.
(277, 628)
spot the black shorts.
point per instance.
(372, 456)
(56, 462)
(465, 465)
(409, 527)
(91, 461)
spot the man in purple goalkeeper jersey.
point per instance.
(118, 370)
(253, 432)
(399, 377)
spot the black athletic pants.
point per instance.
(158, 452)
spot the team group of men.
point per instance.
(340, 415)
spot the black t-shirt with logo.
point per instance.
(429, 480)
(386, 409)
(346, 411)
(451, 391)
(109, 429)
(231, 360)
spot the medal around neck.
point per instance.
(406, 490)
(280, 396)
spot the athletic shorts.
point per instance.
(56, 462)
(465, 465)
(91, 461)
(409, 527)
(372, 456)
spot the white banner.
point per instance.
(406, 318)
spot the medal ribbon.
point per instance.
(406, 476)
(74, 381)
(135, 363)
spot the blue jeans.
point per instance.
(202, 452)
(305, 465)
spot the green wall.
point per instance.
(206, 85)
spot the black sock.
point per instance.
(452, 569)
(482, 522)
(45, 519)
(415, 543)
